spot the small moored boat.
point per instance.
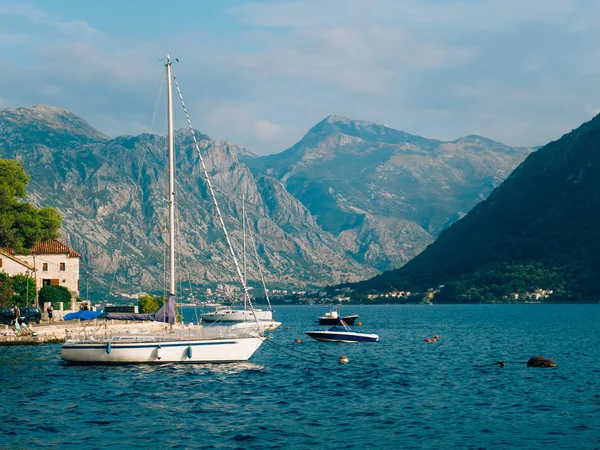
(332, 317)
(341, 333)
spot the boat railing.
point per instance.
(178, 333)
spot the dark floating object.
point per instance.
(540, 361)
(499, 363)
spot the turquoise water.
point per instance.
(398, 393)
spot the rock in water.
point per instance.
(540, 361)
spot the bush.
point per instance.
(20, 286)
(6, 291)
(148, 304)
(54, 295)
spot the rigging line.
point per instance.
(164, 266)
(244, 236)
(260, 272)
(214, 198)
(181, 263)
(137, 185)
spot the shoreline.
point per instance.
(55, 333)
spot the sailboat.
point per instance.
(226, 314)
(175, 343)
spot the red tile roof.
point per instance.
(54, 246)
(14, 258)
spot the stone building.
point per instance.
(13, 265)
(55, 264)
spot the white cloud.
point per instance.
(484, 14)
(40, 16)
(521, 72)
(267, 131)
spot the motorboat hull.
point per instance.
(130, 351)
(237, 315)
(349, 320)
(342, 336)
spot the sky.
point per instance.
(261, 73)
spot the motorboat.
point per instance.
(227, 314)
(332, 317)
(341, 333)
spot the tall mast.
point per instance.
(171, 199)
(244, 249)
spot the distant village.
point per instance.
(53, 263)
(228, 294)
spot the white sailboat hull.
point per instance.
(237, 315)
(261, 326)
(128, 351)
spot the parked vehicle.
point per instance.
(7, 317)
(28, 315)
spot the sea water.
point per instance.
(401, 392)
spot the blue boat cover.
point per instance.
(83, 315)
(166, 314)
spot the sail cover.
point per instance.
(83, 315)
(165, 314)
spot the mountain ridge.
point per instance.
(370, 225)
(536, 230)
(345, 171)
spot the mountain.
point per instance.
(538, 230)
(111, 193)
(386, 194)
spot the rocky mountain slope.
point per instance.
(111, 193)
(383, 193)
(350, 199)
(538, 230)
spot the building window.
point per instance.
(62, 266)
(0, 262)
(45, 267)
(54, 282)
(45, 282)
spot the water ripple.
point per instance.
(399, 393)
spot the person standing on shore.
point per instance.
(17, 313)
(49, 310)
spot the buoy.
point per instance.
(436, 336)
(343, 359)
(159, 352)
(427, 340)
(298, 341)
(540, 361)
(359, 323)
(108, 348)
(189, 352)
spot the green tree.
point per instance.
(6, 290)
(54, 294)
(148, 304)
(23, 286)
(22, 225)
